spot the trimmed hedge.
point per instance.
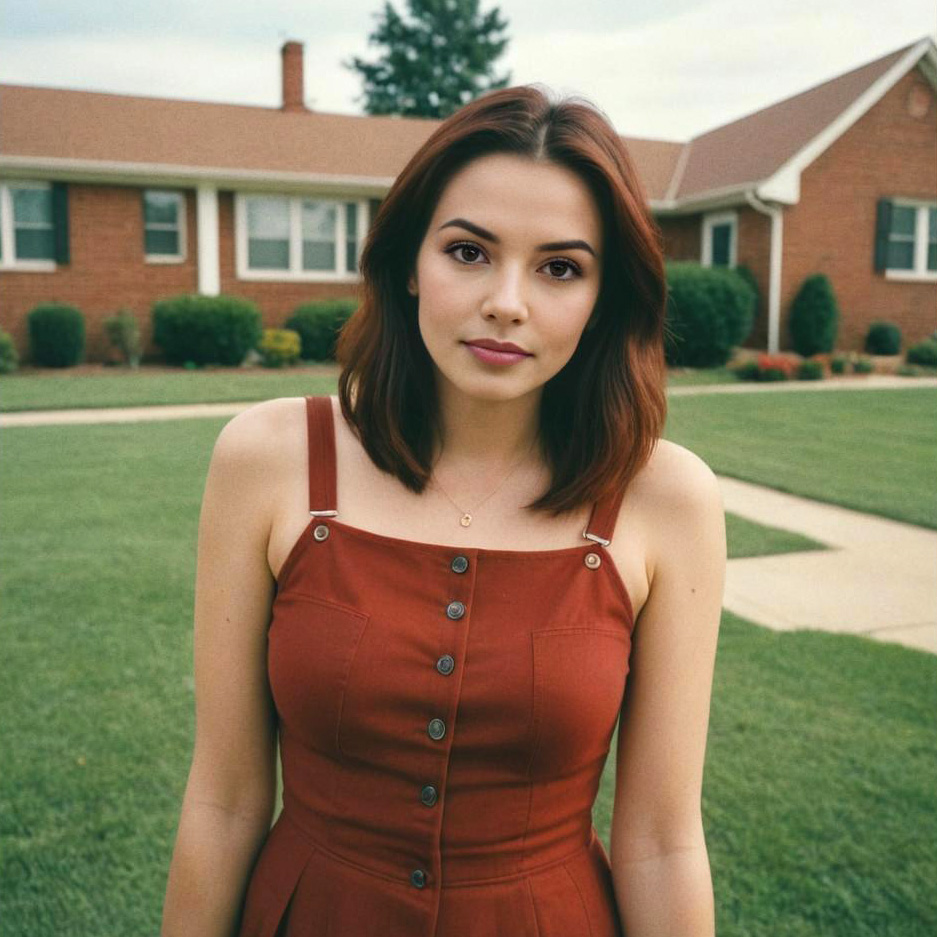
(923, 353)
(56, 335)
(709, 311)
(318, 324)
(814, 316)
(9, 358)
(883, 338)
(206, 329)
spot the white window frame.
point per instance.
(295, 271)
(8, 259)
(710, 221)
(920, 271)
(180, 225)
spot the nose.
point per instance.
(506, 300)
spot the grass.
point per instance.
(819, 801)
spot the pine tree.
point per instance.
(435, 64)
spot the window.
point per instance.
(719, 239)
(906, 239)
(285, 237)
(163, 226)
(27, 225)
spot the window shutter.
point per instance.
(60, 222)
(373, 204)
(882, 230)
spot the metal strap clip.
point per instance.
(596, 538)
(323, 513)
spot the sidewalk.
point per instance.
(879, 577)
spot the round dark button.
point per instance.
(418, 878)
(428, 795)
(445, 664)
(320, 532)
(436, 729)
(459, 564)
(455, 610)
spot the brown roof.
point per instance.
(752, 148)
(95, 127)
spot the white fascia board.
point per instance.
(159, 174)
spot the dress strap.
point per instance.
(601, 524)
(320, 437)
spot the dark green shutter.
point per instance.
(882, 230)
(60, 222)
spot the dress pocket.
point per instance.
(311, 644)
(579, 680)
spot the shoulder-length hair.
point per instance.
(602, 413)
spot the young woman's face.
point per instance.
(501, 282)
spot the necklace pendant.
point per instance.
(465, 520)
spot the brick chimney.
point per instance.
(291, 54)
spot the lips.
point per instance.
(498, 346)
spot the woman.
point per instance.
(441, 588)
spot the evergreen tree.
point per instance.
(435, 64)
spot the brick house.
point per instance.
(111, 201)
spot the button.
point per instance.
(428, 795)
(593, 560)
(436, 729)
(455, 610)
(459, 564)
(321, 532)
(418, 878)
(445, 664)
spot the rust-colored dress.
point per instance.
(444, 715)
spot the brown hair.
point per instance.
(603, 412)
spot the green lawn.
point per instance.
(820, 803)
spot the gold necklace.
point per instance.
(466, 517)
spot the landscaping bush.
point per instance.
(123, 333)
(709, 311)
(318, 324)
(767, 367)
(809, 370)
(206, 329)
(9, 359)
(883, 338)
(923, 353)
(279, 347)
(814, 316)
(862, 364)
(838, 364)
(56, 335)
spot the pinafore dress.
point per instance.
(444, 717)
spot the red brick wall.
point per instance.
(832, 229)
(106, 269)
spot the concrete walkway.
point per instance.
(879, 577)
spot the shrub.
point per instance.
(206, 329)
(838, 364)
(9, 359)
(883, 338)
(123, 333)
(56, 335)
(862, 364)
(814, 317)
(923, 353)
(747, 371)
(775, 367)
(318, 324)
(709, 310)
(809, 370)
(279, 347)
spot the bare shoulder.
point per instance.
(677, 494)
(249, 435)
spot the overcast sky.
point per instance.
(666, 69)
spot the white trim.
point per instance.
(158, 175)
(910, 275)
(711, 220)
(208, 253)
(180, 227)
(296, 273)
(8, 260)
(775, 270)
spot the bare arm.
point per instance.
(660, 864)
(229, 796)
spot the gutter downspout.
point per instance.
(774, 271)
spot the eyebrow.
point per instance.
(488, 236)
